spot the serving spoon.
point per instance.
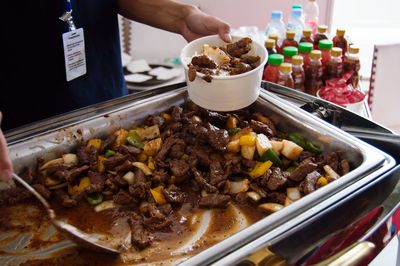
(79, 237)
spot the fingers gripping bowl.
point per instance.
(223, 93)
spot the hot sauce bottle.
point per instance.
(307, 36)
(314, 73)
(270, 46)
(305, 49)
(325, 47)
(340, 41)
(276, 38)
(298, 73)
(271, 72)
(285, 75)
(352, 65)
(320, 35)
(289, 41)
(334, 68)
(289, 52)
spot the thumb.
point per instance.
(223, 32)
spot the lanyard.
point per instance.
(67, 16)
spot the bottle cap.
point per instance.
(269, 43)
(297, 12)
(336, 51)
(315, 54)
(307, 32)
(290, 35)
(297, 6)
(354, 49)
(285, 68)
(275, 59)
(290, 51)
(322, 28)
(297, 60)
(305, 47)
(340, 32)
(325, 44)
(276, 14)
(274, 37)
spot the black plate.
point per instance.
(150, 82)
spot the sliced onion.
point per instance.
(271, 207)
(238, 186)
(293, 193)
(254, 195)
(105, 205)
(129, 177)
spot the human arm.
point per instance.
(187, 20)
(5, 162)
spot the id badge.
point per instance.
(74, 54)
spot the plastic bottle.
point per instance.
(270, 46)
(271, 72)
(298, 73)
(296, 23)
(311, 15)
(352, 64)
(325, 47)
(320, 35)
(314, 73)
(276, 38)
(305, 49)
(276, 26)
(285, 75)
(340, 41)
(334, 68)
(307, 36)
(289, 41)
(289, 52)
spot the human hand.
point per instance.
(5, 162)
(198, 24)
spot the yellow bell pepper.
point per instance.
(322, 181)
(146, 170)
(260, 169)
(248, 140)
(100, 164)
(96, 143)
(166, 116)
(122, 134)
(83, 183)
(142, 157)
(157, 195)
(151, 163)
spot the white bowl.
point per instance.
(224, 93)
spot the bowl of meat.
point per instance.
(223, 76)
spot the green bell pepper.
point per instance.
(270, 155)
(135, 140)
(94, 198)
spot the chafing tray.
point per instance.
(48, 139)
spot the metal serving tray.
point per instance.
(48, 139)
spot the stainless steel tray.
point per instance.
(64, 132)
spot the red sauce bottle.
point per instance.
(289, 41)
(340, 41)
(314, 73)
(289, 52)
(307, 36)
(352, 64)
(270, 46)
(334, 68)
(271, 72)
(298, 73)
(320, 35)
(305, 49)
(276, 38)
(285, 75)
(325, 47)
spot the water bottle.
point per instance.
(296, 23)
(276, 26)
(311, 14)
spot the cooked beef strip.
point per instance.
(239, 48)
(304, 168)
(123, 198)
(198, 130)
(165, 209)
(332, 160)
(65, 199)
(277, 180)
(120, 181)
(96, 182)
(239, 68)
(50, 170)
(138, 190)
(166, 147)
(277, 197)
(214, 201)
(107, 142)
(140, 237)
(140, 177)
(249, 163)
(260, 127)
(177, 151)
(155, 120)
(176, 113)
(305, 154)
(159, 176)
(241, 197)
(263, 180)
(258, 189)
(42, 190)
(217, 173)
(115, 160)
(200, 153)
(179, 168)
(202, 181)
(70, 175)
(203, 61)
(174, 194)
(218, 138)
(154, 218)
(130, 150)
(14, 195)
(308, 184)
(215, 118)
(344, 167)
(124, 167)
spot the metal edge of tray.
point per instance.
(296, 209)
(296, 227)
